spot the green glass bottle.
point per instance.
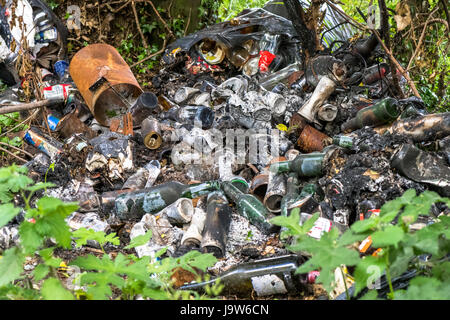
(305, 165)
(343, 141)
(385, 111)
(249, 207)
(152, 200)
(292, 193)
(350, 143)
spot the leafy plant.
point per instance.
(44, 229)
(400, 247)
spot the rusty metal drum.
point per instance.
(105, 81)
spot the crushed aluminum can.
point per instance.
(58, 92)
(48, 146)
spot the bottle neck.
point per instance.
(280, 167)
(200, 189)
(231, 191)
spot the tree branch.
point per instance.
(27, 106)
(133, 5)
(307, 36)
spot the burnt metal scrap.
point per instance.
(237, 129)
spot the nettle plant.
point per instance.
(111, 276)
(401, 249)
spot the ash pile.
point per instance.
(239, 127)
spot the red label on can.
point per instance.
(57, 92)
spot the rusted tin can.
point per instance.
(260, 182)
(105, 81)
(311, 140)
(151, 133)
(296, 124)
(276, 189)
(259, 185)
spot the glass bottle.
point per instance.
(144, 106)
(380, 113)
(217, 224)
(269, 276)
(200, 116)
(249, 207)
(151, 200)
(292, 193)
(305, 165)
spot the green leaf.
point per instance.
(140, 240)
(292, 224)
(12, 179)
(391, 208)
(390, 236)
(11, 266)
(400, 259)
(53, 290)
(107, 273)
(40, 272)
(349, 237)
(7, 213)
(100, 283)
(441, 271)
(91, 262)
(370, 295)
(53, 262)
(52, 205)
(327, 256)
(40, 186)
(424, 288)
(363, 226)
(419, 205)
(199, 260)
(83, 235)
(155, 294)
(53, 225)
(430, 240)
(190, 260)
(30, 238)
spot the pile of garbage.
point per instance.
(237, 129)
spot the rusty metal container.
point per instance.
(311, 140)
(105, 81)
(151, 133)
(260, 182)
(296, 124)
